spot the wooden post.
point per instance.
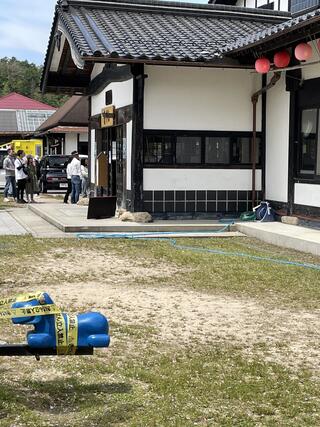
(137, 139)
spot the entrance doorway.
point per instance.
(114, 141)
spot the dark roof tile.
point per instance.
(160, 30)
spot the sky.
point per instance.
(25, 26)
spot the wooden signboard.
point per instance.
(102, 170)
(107, 116)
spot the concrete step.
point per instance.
(72, 219)
(288, 236)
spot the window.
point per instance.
(217, 150)
(199, 149)
(188, 149)
(297, 5)
(309, 144)
(158, 149)
(309, 136)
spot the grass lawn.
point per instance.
(197, 339)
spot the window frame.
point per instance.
(298, 176)
(203, 134)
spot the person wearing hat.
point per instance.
(75, 173)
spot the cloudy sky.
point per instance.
(25, 27)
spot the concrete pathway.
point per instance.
(289, 236)
(73, 218)
(9, 226)
(37, 226)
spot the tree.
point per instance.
(24, 77)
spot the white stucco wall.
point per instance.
(129, 149)
(190, 98)
(199, 179)
(122, 93)
(312, 71)
(93, 154)
(277, 142)
(83, 137)
(71, 142)
(307, 194)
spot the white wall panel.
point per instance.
(129, 149)
(277, 142)
(83, 137)
(122, 93)
(307, 194)
(71, 142)
(200, 99)
(93, 155)
(199, 179)
(312, 71)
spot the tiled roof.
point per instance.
(15, 101)
(274, 31)
(159, 31)
(74, 112)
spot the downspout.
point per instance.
(254, 99)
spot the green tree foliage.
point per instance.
(24, 77)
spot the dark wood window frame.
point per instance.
(173, 134)
(298, 176)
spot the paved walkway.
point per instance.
(37, 226)
(73, 218)
(9, 226)
(289, 236)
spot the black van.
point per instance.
(53, 172)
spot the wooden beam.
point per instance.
(137, 138)
(110, 73)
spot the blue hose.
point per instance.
(173, 242)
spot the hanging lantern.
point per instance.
(281, 59)
(262, 65)
(303, 51)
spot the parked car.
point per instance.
(53, 172)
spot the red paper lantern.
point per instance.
(262, 65)
(281, 59)
(303, 51)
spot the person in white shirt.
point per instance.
(69, 189)
(84, 177)
(21, 175)
(75, 173)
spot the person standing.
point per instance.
(69, 189)
(75, 172)
(21, 175)
(36, 162)
(84, 177)
(9, 167)
(32, 181)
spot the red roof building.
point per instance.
(15, 101)
(20, 116)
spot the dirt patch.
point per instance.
(113, 284)
(83, 264)
(189, 318)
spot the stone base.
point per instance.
(291, 220)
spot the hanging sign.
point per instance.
(107, 116)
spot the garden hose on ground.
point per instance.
(173, 242)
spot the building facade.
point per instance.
(185, 123)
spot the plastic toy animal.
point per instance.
(91, 329)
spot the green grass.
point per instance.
(209, 387)
(273, 283)
(142, 380)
